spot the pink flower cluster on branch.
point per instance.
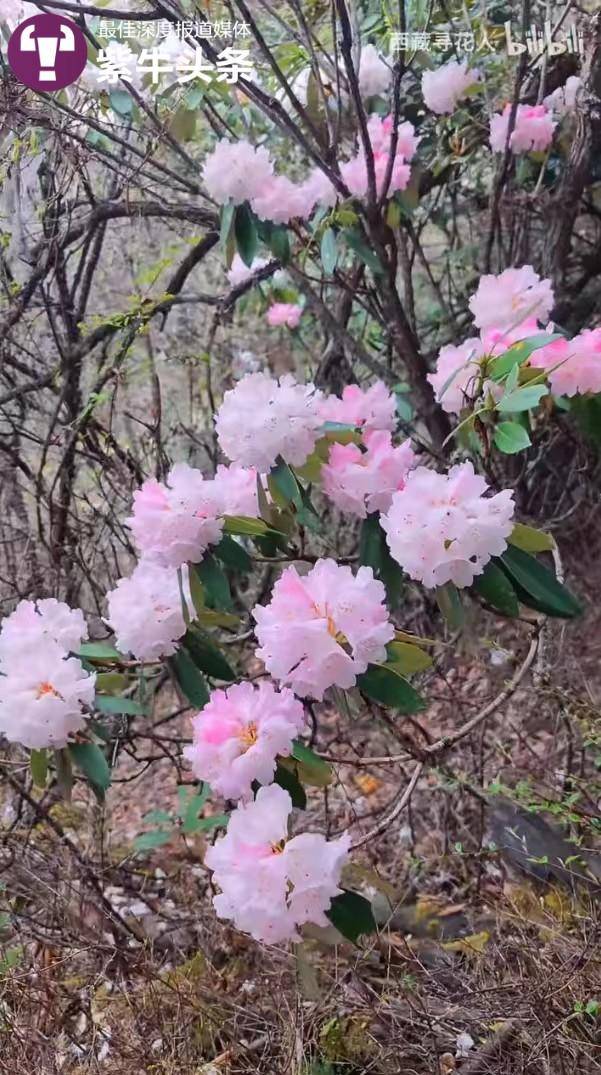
(272, 885)
(324, 628)
(43, 689)
(442, 528)
(240, 733)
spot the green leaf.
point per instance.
(530, 539)
(157, 817)
(206, 655)
(329, 251)
(289, 782)
(355, 240)
(232, 554)
(38, 762)
(111, 682)
(374, 553)
(383, 683)
(190, 807)
(64, 772)
(536, 586)
(519, 353)
(510, 437)
(496, 589)
(245, 230)
(283, 486)
(214, 583)
(275, 236)
(307, 766)
(89, 758)
(121, 102)
(245, 526)
(147, 841)
(449, 603)
(407, 658)
(352, 915)
(99, 651)
(191, 682)
(106, 703)
(227, 220)
(210, 618)
(523, 399)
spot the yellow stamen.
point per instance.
(249, 735)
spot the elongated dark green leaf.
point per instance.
(245, 230)
(206, 655)
(283, 485)
(245, 526)
(494, 586)
(38, 762)
(536, 586)
(111, 682)
(99, 651)
(227, 225)
(191, 681)
(91, 761)
(530, 539)
(289, 782)
(449, 603)
(407, 658)
(232, 554)
(357, 243)
(352, 915)
(383, 684)
(329, 251)
(64, 771)
(519, 353)
(279, 243)
(313, 769)
(374, 553)
(108, 703)
(214, 582)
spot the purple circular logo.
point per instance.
(47, 52)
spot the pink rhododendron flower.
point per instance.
(42, 693)
(236, 490)
(563, 99)
(239, 272)
(367, 408)
(323, 628)
(284, 313)
(441, 528)
(262, 418)
(239, 734)
(533, 130)
(174, 523)
(145, 612)
(236, 171)
(375, 76)
(317, 189)
(38, 621)
(362, 482)
(507, 300)
(456, 376)
(578, 363)
(445, 86)
(280, 200)
(270, 886)
(354, 171)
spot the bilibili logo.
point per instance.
(47, 52)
